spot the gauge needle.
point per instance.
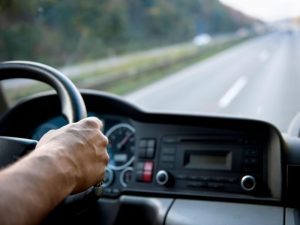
(124, 141)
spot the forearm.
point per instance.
(65, 161)
(33, 187)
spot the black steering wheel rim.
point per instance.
(72, 107)
(72, 104)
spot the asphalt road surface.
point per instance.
(257, 79)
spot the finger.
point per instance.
(104, 140)
(91, 122)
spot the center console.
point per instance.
(197, 161)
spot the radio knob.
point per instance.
(248, 183)
(163, 177)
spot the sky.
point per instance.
(267, 10)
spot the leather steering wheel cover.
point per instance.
(72, 104)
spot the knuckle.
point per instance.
(107, 155)
(106, 159)
(91, 123)
(103, 140)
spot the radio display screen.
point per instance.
(208, 160)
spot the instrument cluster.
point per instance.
(121, 148)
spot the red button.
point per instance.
(147, 176)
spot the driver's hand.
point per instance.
(81, 147)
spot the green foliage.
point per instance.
(60, 32)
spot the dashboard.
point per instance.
(183, 160)
(194, 158)
(178, 169)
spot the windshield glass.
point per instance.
(229, 57)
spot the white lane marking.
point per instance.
(232, 92)
(264, 56)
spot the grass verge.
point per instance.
(137, 82)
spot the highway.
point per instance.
(257, 79)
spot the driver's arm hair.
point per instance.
(31, 188)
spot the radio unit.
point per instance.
(228, 164)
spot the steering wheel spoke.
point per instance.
(12, 148)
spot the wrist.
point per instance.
(61, 168)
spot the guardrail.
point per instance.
(184, 54)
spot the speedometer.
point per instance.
(121, 146)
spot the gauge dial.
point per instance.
(121, 146)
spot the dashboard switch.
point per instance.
(163, 177)
(150, 153)
(148, 166)
(108, 178)
(147, 176)
(126, 176)
(248, 183)
(147, 148)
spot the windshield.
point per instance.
(229, 57)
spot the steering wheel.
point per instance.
(72, 104)
(72, 107)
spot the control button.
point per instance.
(143, 143)
(115, 191)
(142, 152)
(220, 179)
(170, 140)
(150, 153)
(168, 158)
(140, 166)
(144, 172)
(166, 165)
(231, 180)
(110, 192)
(148, 166)
(147, 148)
(162, 177)
(181, 177)
(249, 169)
(193, 178)
(168, 150)
(147, 176)
(248, 183)
(215, 185)
(151, 143)
(107, 191)
(251, 152)
(196, 184)
(125, 176)
(250, 161)
(213, 179)
(108, 177)
(205, 178)
(254, 152)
